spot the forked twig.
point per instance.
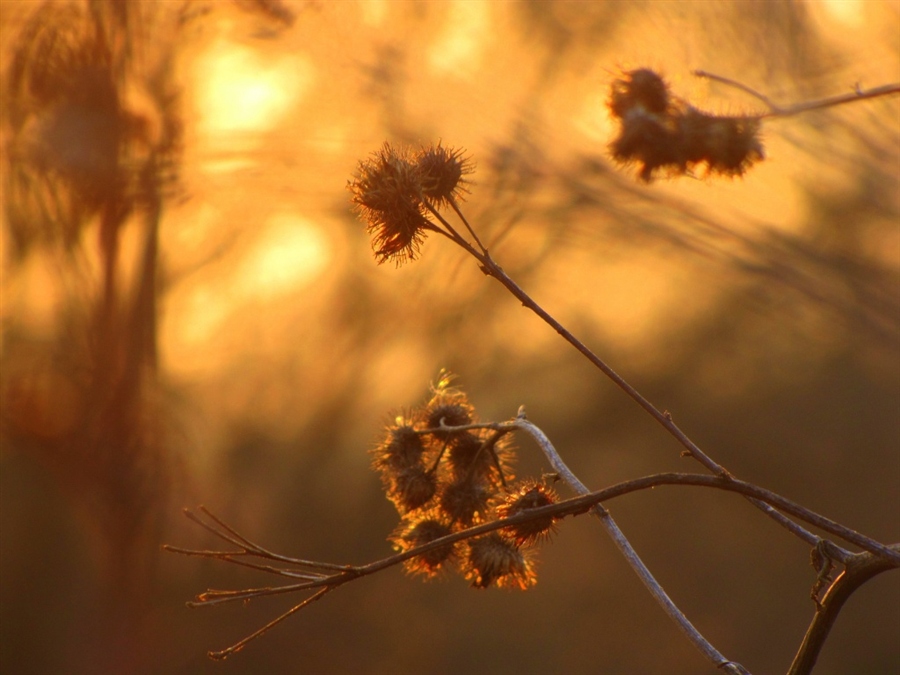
(859, 569)
(240, 644)
(628, 552)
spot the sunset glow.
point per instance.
(240, 90)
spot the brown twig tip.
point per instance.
(660, 131)
(394, 188)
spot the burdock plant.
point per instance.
(450, 475)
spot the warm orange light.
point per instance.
(845, 12)
(242, 90)
(466, 33)
(291, 254)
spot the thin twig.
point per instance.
(723, 483)
(737, 85)
(235, 557)
(459, 213)
(491, 268)
(584, 503)
(627, 550)
(575, 506)
(229, 534)
(240, 644)
(860, 569)
(570, 507)
(778, 111)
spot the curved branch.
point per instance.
(631, 556)
(331, 575)
(861, 568)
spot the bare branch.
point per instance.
(858, 94)
(238, 646)
(627, 550)
(491, 268)
(860, 569)
(890, 556)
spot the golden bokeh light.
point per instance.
(286, 256)
(459, 48)
(850, 13)
(240, 90)
(289, 255)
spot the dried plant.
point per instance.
(450, 475)
(83, 151)
(662, 132)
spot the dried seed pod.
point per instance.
(441, 174)
(413, 532)
(484, 456)
(412, 488)
(465, 500)
(402, 449)
(448, 407)
(529, 495)
(659, 131)
(470, 456)
(647, 139)
(641, 88)
(386, 192)
(727, 145)
(495, 559)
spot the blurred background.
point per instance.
(192, 314)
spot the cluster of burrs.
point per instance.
(445, 472)
(661, 132)
(397, 192)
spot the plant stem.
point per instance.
(627, 550)
(858, 94)
(491, 268)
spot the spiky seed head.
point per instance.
(465, 501)
(413, 532)
(659, 131)
(468, 455)
(529, 495)
(441, 173)
(401, 449)
(412, 488)
(642, 88)
(495, 559)
(386, 191)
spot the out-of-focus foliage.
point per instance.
(192, 313)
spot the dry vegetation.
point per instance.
(191, 314)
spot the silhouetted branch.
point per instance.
(858, 94)
(858, 570)
(322, 577)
